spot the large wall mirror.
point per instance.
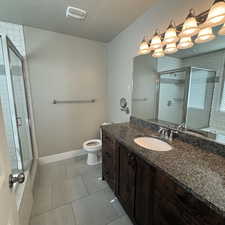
(186, 87)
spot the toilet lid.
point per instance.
(92, 145)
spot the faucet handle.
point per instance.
(160, 130)
(172, 132)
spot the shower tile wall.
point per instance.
(15, 33)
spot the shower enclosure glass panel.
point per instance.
(16, 69)
(14, 104)
(13, 144)
(201, 88)
(172, 89)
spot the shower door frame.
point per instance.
(6, 45)
(187, 71)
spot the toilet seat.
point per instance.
(92, 145)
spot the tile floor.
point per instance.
(70, 192)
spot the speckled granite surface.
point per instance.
(198, 171)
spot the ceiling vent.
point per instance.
(76, 13)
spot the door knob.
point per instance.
(19, 178)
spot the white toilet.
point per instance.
(93, 148)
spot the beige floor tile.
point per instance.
(122, 221)
(95, 209)
(67, 191)
(60, 216)
(93, 180)
(51, 173)
(42, 200)
(115, 202)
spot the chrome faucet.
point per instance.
(181, 127)
(167, 133)
(164, 132)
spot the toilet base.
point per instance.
(92, 159)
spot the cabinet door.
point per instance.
(126, 179)
(143, 193)
(108, 152)
(166, 213)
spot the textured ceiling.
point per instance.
(106, 18)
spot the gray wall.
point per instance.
(65, 67)
(124, 47)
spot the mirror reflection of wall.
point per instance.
(196, 97)
(144, 87)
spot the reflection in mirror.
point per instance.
(171, 102)
(187, 86)
(144, 87)
(201, 89)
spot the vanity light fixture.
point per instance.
(216, 14)
(205, 35)
(156, 41)
(144, 48)
(190, 26)
(194, 25)
(170, 35)
(185, 42)
(222, 30)
(158, 53)
(171, 48)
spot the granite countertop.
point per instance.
(198, 171)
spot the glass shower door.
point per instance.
(20, 103)
(6, 98)
(172, 95)
(201, 89)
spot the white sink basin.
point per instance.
(153, 144)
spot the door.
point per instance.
(126, 179)
(8, 208)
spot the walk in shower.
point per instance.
(14, 105)
(185, 95)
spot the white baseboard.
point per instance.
(61, 156)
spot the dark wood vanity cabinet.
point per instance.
(125, 189)
(143, 206)
(135, 186)
(173, 205)
(148, 195)
(108, 160)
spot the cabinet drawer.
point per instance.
(185, 201)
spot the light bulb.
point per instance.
(170, 35)
(222, 30)
(190, 26)
(216, 14)
(205, 35)
(170, 48)
(185, 42)
(158, 53)
(144, 48)
(156, 42)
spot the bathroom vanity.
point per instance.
(184, 186)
